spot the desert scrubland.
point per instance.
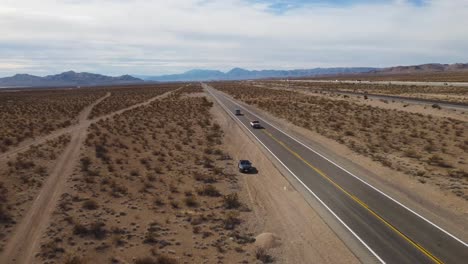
(446, 93)
(152, 187)
(25, 171)
(448, 76)
(28, 114)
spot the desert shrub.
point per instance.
(439, 161)
(90, 205)
(231, 201)
(218, 171)
(95, 230)
(460, 174)
(151, 237)
(71, 259)
(158, 201)
(4, 215)
(118, 190)
(102, 153)
(209, 190)
(152, 233)
(207, 162)
(204, 177)
(191, 201)
(175, 204)
(231, 220)
(23, 164)
(80, 229)
(162, 259)
(85, 164)
(412, 154)
(197, 220)
(52, 248)
(436, 106)
(262, 255)
(146, 260)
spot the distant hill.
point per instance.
(433, 72)
(243, 74)
(69, 78)
(423, 68)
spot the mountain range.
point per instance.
(243, 74)
(69, 78)
(423, 68)
(72, 78)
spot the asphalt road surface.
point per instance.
(390, 231)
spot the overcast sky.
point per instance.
(153, 37)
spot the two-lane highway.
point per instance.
(392, 232)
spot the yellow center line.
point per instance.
(357, 200)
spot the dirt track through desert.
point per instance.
(25, 238)
(83, 119)
(39, 140)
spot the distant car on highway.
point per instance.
(255, 124)
(245, 166)
(238, 112)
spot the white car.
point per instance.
(255, 124)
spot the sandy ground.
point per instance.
(279, 208)
(440, 206)
(24, 241)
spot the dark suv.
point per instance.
(245, 166)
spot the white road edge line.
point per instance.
(368, 184)
(297, 178)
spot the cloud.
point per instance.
(155, 37)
